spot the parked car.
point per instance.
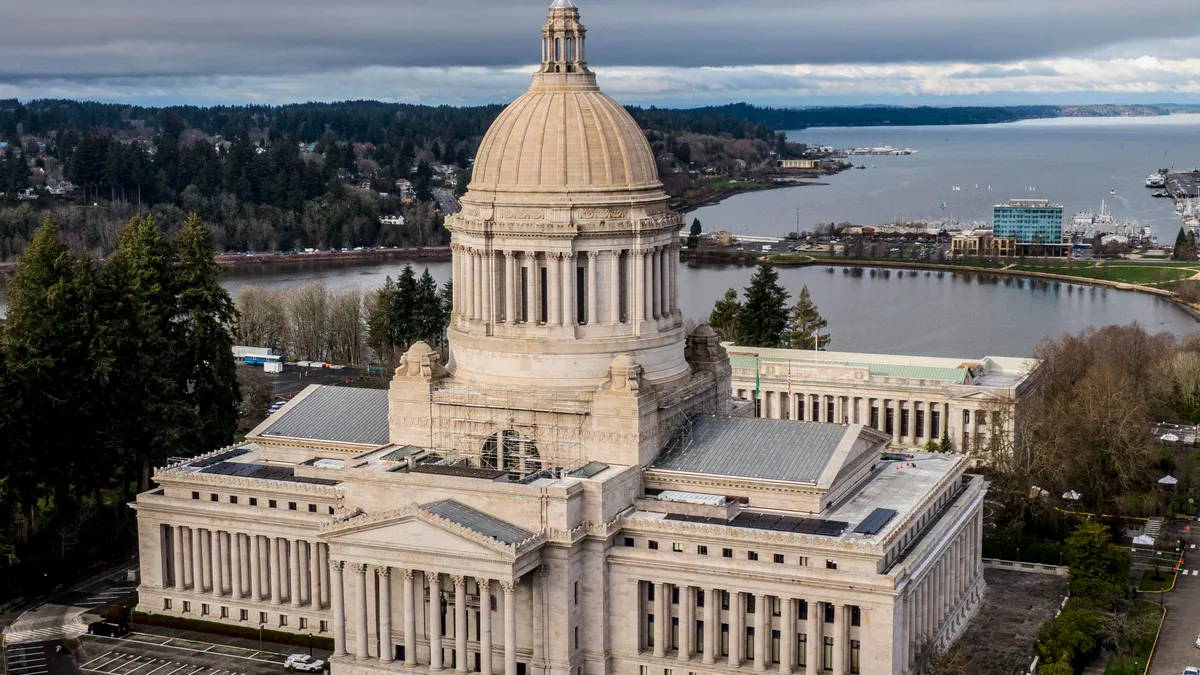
(1191, 670)
(114, 629)
(303, 663)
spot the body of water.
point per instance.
(1070, 161)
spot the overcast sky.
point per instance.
(668, 52)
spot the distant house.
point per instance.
(391, 220)
(797, 164)
(404, 188)
(363, 185)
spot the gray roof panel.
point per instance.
(478, 521)
(337, 414)
(747, 447)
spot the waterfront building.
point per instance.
(912, 399)
(1034, 226)
(979, 243)
(567, 494)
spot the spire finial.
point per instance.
(563, 4)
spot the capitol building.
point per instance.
(576, 490)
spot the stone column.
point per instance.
(435, 620)
(510, 627)
(476, 285)
(255, 569)
(539, 615)
(614, 285)
(839, 639)
(812, 633)
(323, 565)
(655, 301)
(235, 546)
(339, 607)
(218, 563)
(485, 626)
(189, 558)
(455, 279)
(314, 574)
(554, 292)
(460, 623)
(712, 632)
(410, 619)
(177, 555)
(205, 560)
(361, 652)
(386, 651)
(592, 292)
(761, 612)
(787, 633)
(294, 572)
(276, 573)
(687, 621)
(668, 280)
(675, 278)
(489, 287)
(510, 287)
(660, 619)
(637, 283)
(737, 636)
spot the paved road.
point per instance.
(63, 615)
(147, 654)
(447, 203)
(1177, 643)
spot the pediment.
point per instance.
(415, 530)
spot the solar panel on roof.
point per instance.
(220, 457)
(875, 521)
(589, 470)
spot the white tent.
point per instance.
(1072, 495)
(1143, 540)
(1168, 480)
(1170, 438)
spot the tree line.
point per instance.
(106, 370)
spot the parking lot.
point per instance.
(144, 654)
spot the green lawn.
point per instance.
(1128, 273)
(1136, 645)
(732, 183)
(1149, 583)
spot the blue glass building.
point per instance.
(1034, 225)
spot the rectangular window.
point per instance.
(187, 606)
(166, 603)
(966, 417)
(677, 547)
(195, 495)
(629, 542)
(204, 609)
(271, 503)
(643, 670)
(262, 617)
(889, 418)
(213, 497)
(816, 410)
(323, 626)
(920, 430)
(830, 416)
(575, 592)
(232, 499)
(778, 558)
(653, 545)
(243, 615)
(803, 561)
(674, 595)
(283, 620)
(724, 639)
(749, 647)
(802, 650)
(776, 606)
(291, 506)
(802, 609)
(254, 501)
(649, 630)
(702, 550)
(981, 417)
(724, 599)
(935, 424)
(750, 599)
(224, 612)
(874, 417)
(699, 633)
(650, 593)
(904, 421)
(827, 656)
(726, 553)
(828, 612)
(699, 597)
(312, 508)
(799, 408)
(854, 650)
(966, 442)
(576, 637)
(751, 555)
(775, 646)
(303, 623)
(830, 565)
(855, 615)
(674, 632)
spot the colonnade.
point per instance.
(932, 599)
(909, 422)
(811, 632)
(373, 600)
(508, 286)
(247, 566)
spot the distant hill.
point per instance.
(880, 116)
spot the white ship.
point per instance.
(1087, 224)
(1155, 180)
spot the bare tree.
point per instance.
(308, 320)
(346, 333)
(263, 321)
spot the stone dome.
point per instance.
(564, 139)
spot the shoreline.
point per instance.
(684, 207)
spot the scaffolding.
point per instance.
(524, 432)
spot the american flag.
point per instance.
(789, 379)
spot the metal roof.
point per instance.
(589, 470)
(478, 521)
(338, 414)
(913, 372)
(263, 472)
(460, 471)
(748, 447)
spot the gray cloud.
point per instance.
(154, 49)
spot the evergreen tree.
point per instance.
(55, 373)
(693, 240)
(206, 318)
(724, 316)
(149, 416)
(764, 316)
(427, 310)
(1180, 245)
(404, 318)
(379, 322)
(805, 321)
(1189, 247)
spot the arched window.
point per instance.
(512, 452)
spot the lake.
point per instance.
(1070, 161)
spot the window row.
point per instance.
(222, 611)
(702, 549)
(253, 501)
(799, 652)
